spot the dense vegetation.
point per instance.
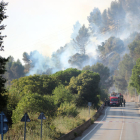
(127, 76)
(61, 95)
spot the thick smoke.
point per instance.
(120, 21)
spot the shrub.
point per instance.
(32, 103)
(67, 109)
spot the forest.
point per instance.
(62, 86)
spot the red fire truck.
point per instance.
(116, 99)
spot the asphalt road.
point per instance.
(115, 123)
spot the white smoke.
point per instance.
(60, 58)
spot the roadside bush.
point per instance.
(61, 95)
(13, 99)
(32, 103)
(67, 109)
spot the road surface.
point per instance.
(115, 123)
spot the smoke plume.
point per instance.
(120, 21)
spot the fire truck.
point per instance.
(116, 99)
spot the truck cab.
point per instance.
(114, 101)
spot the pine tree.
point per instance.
(3, 98)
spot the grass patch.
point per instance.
(84, 113)
(51, 129)
(66, 124)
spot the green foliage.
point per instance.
(82, 39)
(131, 89)
(135, 78)
(65, 76)
(2, 17)
(105, 82)
(101, 69)
(103, 94)
(33, 129)
(78, 59)
(123, 74)
(66, 124)
(14, 70)
(13, 98)
(113, 44)
(61, 95)
(126, 66)
(86, 85)
(67, 109)
(41, 84)
(110, 51)
(35, 94)
(110, 45)
(113, 62)
(3, 97)
(120, 83)
(134, 47)
(33, 103)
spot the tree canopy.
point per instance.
(135, 78)
(101, 69)
(86, 85)
(41, 84)
(3, 98)
(33, 103)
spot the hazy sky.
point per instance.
(44, 25)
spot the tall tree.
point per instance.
(14, 70)
(105, 21)
(134, 47)
(82, 40)
(123, 74)
(95, 20)
(86, 85)
(101, 69)
(77, 60)
(110, 51)
(116, 15)
(135, 78)
(26, 58)
(113, 44)
(3, 98)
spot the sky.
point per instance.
(44, 25)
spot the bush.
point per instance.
(32, 103)
(61, 95)
(67, 109)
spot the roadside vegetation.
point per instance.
(63, 97)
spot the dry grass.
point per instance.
(84, 113)
(66, 124)
(62, 124)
